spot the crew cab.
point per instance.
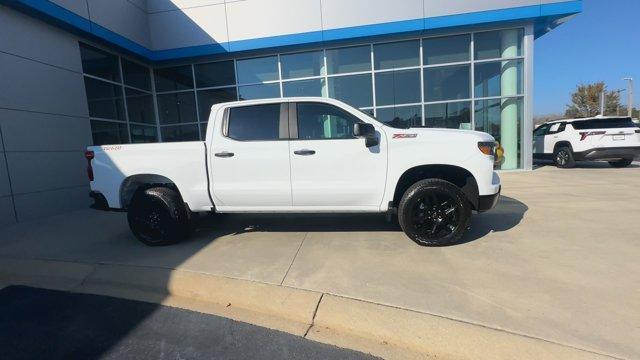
(612, 139)
(300, 155)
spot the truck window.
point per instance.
(324, 121)
(604, 123)
(254, 122)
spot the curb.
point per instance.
(381, 330)
(430, 334)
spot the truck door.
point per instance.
(330, 167)
(250, 158)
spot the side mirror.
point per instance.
(368, 132)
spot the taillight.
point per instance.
(89, 155)
(584, 134)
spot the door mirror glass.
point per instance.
(368, 132)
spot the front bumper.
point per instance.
(488, 202)
(611, 153)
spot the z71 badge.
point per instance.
(404, 136)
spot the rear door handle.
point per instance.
(224, 154)
(304, 152)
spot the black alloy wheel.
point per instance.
(434, 212)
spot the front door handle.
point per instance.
(304, 152)
(224, 154)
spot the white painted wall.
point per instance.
(169, 24)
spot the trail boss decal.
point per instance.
(404, 136)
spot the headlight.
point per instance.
(492, 148)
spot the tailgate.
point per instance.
(622, 137)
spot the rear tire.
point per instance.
(434, 212)
(157, 216)
(622, 163)
(563, 158)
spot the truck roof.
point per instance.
(281, 99)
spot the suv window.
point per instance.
(610, 123)
(324, 121)
(254, 122)
(541, 130)
(556, 128)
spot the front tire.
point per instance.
(434, 212)
(563, 158)
(622, 163)
(157, 216)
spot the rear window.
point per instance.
(255, 122)
(610, 123)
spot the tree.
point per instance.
(585, 101)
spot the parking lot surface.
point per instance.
(556, 260)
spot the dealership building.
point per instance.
(79, 72)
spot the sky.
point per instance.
(600, 44)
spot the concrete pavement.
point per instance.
(556, 260)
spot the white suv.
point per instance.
(612, 139)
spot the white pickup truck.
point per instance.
(300, 155)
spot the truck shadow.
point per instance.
(506, 215)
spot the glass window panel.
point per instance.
(105, 132)
(498, 44)
(136, 75)
(447, 83)
(355, 90)
(140, 106)
(367, 111)
(104, 99)
(302, 65)
(503, 78)
(318, 121)
(256, 122)
(398, 87)
(312, 87)
(215, 74)
(346, 60)
(207, 98)
(502, 118)
(402, 117)
(261, 91)
(143, 133)
(180, 133)
(447, 49)
(454, 115)
(397, 54)
(174, 78)
(257, 70)
(177, 108)
(99, 63)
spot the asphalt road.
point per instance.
(37, 323)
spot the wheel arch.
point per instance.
(456, 175)
(563, 143)
(134, 183)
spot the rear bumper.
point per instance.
(610, 153)
(488, 202)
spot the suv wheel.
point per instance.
(434, 212)
(157, 216)
(622, 163)
(563, 158)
